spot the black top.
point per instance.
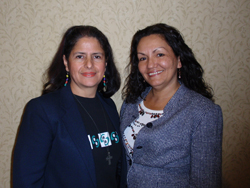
(103, 139)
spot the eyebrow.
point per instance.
(140, 53)
(92, 53)
(153, 50)
(95, 53)
(158, 49)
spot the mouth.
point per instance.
(155, 73)
(88, 74)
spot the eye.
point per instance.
(142, 58)
(97, 57)
(79, 56)
(160, 54)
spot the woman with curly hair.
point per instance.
(69, 136)
(172, 130)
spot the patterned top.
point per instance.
(145, 115)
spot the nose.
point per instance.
(151, 62)
(88, 63)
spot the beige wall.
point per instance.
(217, 30)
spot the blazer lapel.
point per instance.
(131, 112)
(74, 125)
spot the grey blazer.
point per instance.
(180, 149)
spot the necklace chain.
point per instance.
(109, 157)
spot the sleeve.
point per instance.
(206, 151)
(32, 147)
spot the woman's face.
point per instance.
(157, 62)
(86, 65)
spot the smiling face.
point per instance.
(157, 62)
(86, 65)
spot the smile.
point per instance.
(88, 74)
(154, 73)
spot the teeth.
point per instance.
(154, 73)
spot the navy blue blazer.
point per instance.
(52, 148)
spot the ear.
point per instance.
(179, 64)
(65, 63)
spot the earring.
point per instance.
(179, 74)
(104, 84)
(67, 78)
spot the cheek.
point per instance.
(168, 64)
(102, 68)
(141, 68)
(75, 68)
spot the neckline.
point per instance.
(143, 107)
(85, 98)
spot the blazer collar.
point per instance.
(133, 113)
(73, 122)
(179, 94)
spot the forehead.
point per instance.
(154, 40)
(88, 43)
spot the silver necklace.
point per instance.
(109, 157)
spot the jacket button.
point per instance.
(149, 125)
(139, 147)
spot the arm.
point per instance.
(206, 149)
(32, 147)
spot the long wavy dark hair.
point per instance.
(191, 70)
(56, 73)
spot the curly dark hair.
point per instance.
(56, 73)
(191, 70)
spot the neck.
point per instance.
(157, 99)
(84, 92)
(165, 93)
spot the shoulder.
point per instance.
(129, 106)
(202, 102)
(194, 105)
(200, 107)
(197, 100)
(128, 109)
(50, 104)
(45, 100)
(123, 107)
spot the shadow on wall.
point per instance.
(238, 164)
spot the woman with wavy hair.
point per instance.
(69, 136)
(172, 130)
